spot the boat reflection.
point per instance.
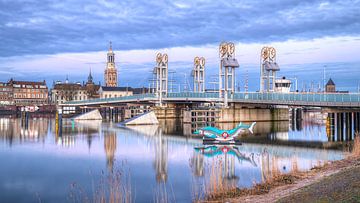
(218, 150)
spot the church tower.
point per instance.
(110, 70)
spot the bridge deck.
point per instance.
(351, 100)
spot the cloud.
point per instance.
(50, 27)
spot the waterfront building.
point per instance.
(330, 86)
(110, 73)
(29, 93)
(63, 92)
(6, 94)
(91, 88)
(112, 92)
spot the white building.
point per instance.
(282, 85)
(112, 92)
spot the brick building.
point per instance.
(27, 93)
(6, 94)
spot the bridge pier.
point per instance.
(348, 126)
(356, 121)
(331, 117)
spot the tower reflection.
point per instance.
(161, 157)
(110, 143)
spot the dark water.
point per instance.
(160, 163)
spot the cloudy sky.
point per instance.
(45, 39)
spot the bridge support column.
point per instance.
(348, 126)
(338, 127)
(342, 125)
(332, 125)
(226, 87)
(111, 113)
(293, 119)
(356, 121)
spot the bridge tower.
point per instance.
(199, 74)
(161, 72)
(228, 63)
(268, 69)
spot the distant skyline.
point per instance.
(49, 40)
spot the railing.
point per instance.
(271, 98)
(299, 97)
(193, 95)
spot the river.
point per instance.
(91, 160)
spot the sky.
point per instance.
(45, 39)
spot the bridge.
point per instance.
(344, 100)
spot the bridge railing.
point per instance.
(273, 96)
(241, 96)
(193, 95)
(302, 97)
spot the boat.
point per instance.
(212, 135)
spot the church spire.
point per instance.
(110, 46)
(110, 73)
(90, 78)
(110, 54)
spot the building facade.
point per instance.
(26, 93)
(110, 74)
(6, 94)
(113, 92)
(63, 92)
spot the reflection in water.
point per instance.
(161, 158)
(149, 151)
(217, 150)
(197, 164)
(13, 130)
(67, 132)
(222, 172)
(110, 148)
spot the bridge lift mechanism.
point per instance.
(228, 63)
(199, 74)
(268, 69)
(161, 72)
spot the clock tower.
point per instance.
(110, 73)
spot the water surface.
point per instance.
(39, 163)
